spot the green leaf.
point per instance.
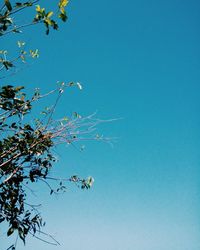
(38, 9)
(21, 234)
(19, 5)
(16, 31)
(8, 5)
(10, 231)
(34, 53)
(63, 17)
(19, 88)
(7, 64)
(20, 44)
(2, 219)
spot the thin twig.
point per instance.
(49, 235)
(20, 27)
(19, 9)
(48, 242)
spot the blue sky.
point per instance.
(140, 61)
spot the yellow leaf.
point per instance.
(34, 53)
(38, 9)
(62, 10)
(63, 3)
(49, 14)
(48, 21)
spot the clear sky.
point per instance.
(138, 60)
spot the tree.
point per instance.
(26, 146)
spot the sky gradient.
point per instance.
(139, 61)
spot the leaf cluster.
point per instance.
(11, 65)
(24, 157)
(26, 145)
(10, 10)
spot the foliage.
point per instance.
(10, 66)
(26, 155)
(8, 10)
(26, 145)
(8, 24)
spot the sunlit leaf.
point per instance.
(63, 3)
(20, 44)
(38, 9)
(49, 14)
(34, 53)
(79, 85)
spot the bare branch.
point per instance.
(48, 242)
(20, 27)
